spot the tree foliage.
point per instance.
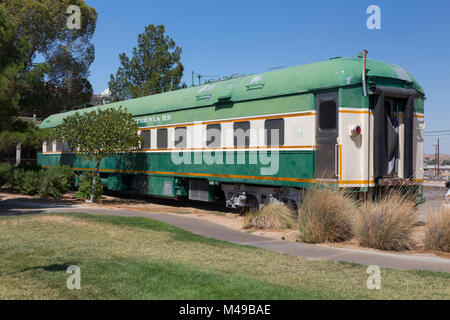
(60, 78)
(12, 55)
(155, 65)
(98, 134)
(23, 132)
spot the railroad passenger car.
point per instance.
(250, 140)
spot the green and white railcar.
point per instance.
(345, 121)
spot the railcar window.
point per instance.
(274, 128)
(327, 115)
(49, 146)
(241, 134)
(146, 142)
(58, 147)
(180, 137)
(161, 139)
(213, 136)
(65, 147)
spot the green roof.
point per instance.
(336, 72)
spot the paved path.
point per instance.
(216, 231)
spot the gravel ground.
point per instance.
(433, 196)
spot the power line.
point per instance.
(438, 135)
(439, 131)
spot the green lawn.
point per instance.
(137, 258)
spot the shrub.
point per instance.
(272, 216)
(5, 173)
(437, 234)
(30, 182)
(85, 187)
(16, 179)
(56, 181)
(387, 223)
(325, 215)
(29, 166)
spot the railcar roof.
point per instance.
(336, 72)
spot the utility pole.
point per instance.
(435, 157)
(438, 168)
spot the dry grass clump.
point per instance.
(387, 223)
(325, 215)
(437, 234)
(272, 216)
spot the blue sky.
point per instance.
(226, 37)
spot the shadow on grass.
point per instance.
(23, 205)
(56, 267)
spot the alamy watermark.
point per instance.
(374, 280)
(74, 281)
(374, 20)
(74, 20)
(237, 149)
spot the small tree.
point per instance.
(99, 134)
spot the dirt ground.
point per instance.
(219, 214)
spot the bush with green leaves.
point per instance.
(31, 181)
(56, 181)
(29, 166)
(5, 173)
(16, 179)
(85, 188)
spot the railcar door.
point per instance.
(390, 160)
(326, 160)
(392, 111)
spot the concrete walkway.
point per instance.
(216, 231)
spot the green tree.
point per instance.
(154, 66)
(23, 132)
(99, 134)
(13, 131)
(12, 55)
(59, 79)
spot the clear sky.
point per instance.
(222, 38)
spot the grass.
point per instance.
(272, 216)
(437, 234)
(138, 258)
(325, 215)
(387, 223)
